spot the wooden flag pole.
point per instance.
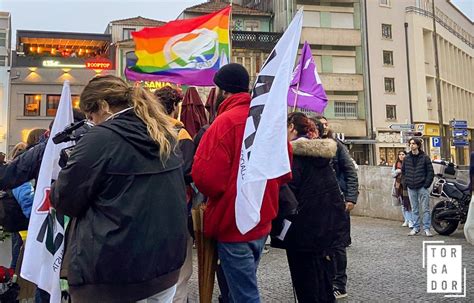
(296, 96)
(230, 32)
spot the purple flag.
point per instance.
(306, 89)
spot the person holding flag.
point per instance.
(215, 174)
(124, 189)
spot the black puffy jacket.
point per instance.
(346, 173)
(417, 170)
(318, 224)
(127, 240)
(24, 168)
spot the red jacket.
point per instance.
(215, 171)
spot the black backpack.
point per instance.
(11, 216)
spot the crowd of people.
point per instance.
(127, 188)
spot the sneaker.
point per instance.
(266, 249)
(339, 294)
(414, 232)
(410, 225)
(428, 233)
(405, 224)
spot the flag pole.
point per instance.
(230, 32)
(296, 96)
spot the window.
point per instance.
(311, 19)
(342, 20)
(130, 59)
(3, 60)
(75, 101)
(391, 112)
(252, 25)
(237, 24)
(389, 85)
(3, 39)
(127, 33)
(387, 57)
(52, 103)
(343, 65)
(387, 31)
(345, 110)
(32, 105)
(384, 2)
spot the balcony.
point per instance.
(331, 36)
(264, 41)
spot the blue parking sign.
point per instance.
(436, 141)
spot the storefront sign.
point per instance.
(430, 130)
(156, 84)
(99, 64)
(58, 64)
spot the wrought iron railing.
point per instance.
(255, 40)
(464, 36)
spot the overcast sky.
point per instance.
(93, 16)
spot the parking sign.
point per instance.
(436, 141)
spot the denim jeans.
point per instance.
(41, 296)
(407, 215)
(239, 262)
(420, 198)
(17, 243)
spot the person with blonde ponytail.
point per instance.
(124, 189)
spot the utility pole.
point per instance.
(445, 153)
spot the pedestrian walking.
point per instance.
(418, 173)
(124, 189)
(214, 172)
(400, 192)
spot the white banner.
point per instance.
(264, 149)
(44, 244)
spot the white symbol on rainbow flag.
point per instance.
(444, 271)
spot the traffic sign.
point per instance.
(460, 132)
(458, 142)
(402, 127)
(412, 134)
(459, 124)
(436, 141)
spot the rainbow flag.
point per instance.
(183, 51)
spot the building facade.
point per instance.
(121, 33)
(5, 53)
(334, 31)
(401, 60)
(41, 62)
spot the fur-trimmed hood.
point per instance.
(324, 148)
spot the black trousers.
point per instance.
(311, 275)
(340, 267)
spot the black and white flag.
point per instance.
(264, 152)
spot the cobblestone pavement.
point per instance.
(384, 265)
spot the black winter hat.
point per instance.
(232, 78)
